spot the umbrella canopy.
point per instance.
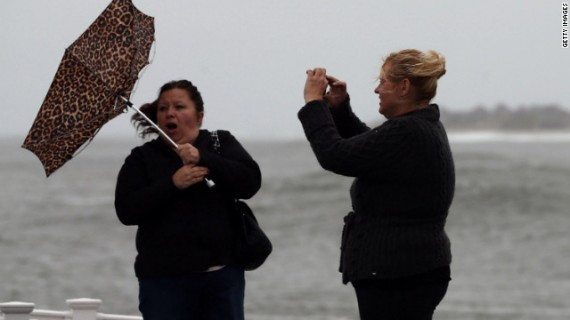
(92, 84)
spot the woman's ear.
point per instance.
(200, 117)
(405, 87)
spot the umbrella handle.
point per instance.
(209, 182)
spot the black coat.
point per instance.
(403, 189)
(190, 230)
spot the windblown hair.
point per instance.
(143, 127)
(423, 69)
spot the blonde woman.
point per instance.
(394, 250)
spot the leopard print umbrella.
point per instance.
(101, 65)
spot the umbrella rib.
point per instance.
(95, 73)
(69, 132)
(130, 73)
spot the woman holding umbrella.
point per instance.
(394, 247)
(185, 238)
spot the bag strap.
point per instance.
(216, 141)
(217, 147)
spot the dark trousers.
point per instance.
(408, 298)
(216, 295)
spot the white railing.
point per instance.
(80, 309)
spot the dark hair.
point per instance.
(149, 109)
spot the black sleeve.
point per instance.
(233, 169)
(375, 151)
(137, 200)
(347, 123)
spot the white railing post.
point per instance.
(17, 310)
(84, 308)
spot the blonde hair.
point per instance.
(423, 69)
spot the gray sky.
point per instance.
(248, 58)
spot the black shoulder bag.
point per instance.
(253, 246)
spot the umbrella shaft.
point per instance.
(162, 133)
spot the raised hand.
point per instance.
(337, 92)
(315, 85)
(188, 153)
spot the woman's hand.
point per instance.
(188, 153)
(315, 85)
(337, 92)
(189, 175)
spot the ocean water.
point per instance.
(509, 222)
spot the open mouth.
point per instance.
(171, 126)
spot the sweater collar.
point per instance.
(202, 141)
(430, 113)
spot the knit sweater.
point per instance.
(403, 189)
(184, 231)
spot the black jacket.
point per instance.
(403, 189)
(190, 230)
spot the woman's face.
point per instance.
(177, 116)
(389, 95)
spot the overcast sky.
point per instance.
(248, 58)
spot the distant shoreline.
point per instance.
(503, 118)
(471, 136)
